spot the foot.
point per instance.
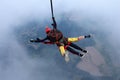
(67, 57)
(85, 51)
(81, 55)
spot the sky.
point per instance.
(105, 13)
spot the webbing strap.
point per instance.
(52, 8)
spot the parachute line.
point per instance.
(52, 8)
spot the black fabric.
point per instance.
(51, 8)
(75, 46)
(87, 36)
(54, 35)
(72, 51)
(65, 41)
(39, 40)
(54, 24)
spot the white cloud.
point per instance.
(15, 12)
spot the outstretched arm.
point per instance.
(41, 41)
(47, 42)
(38, 40)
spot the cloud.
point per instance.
(15, 64)
(14, 60)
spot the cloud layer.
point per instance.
(13, 57)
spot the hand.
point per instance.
(31, 40)
(88, 36)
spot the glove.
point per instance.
(31, 40)
(37, 39)
(88, 36)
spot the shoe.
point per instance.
(67, 57)
(85, 51)
(81, 55)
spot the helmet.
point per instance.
(47, 29)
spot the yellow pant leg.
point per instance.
(73, 39)
(62, 50)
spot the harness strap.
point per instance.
(67, 45)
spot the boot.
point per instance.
(67, 56)
(81, 55)
(85, 51)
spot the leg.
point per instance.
(62, 50)
(75, 46)
(64, 53)
(74, 52)
(75, 39)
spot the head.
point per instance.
(47, 30)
